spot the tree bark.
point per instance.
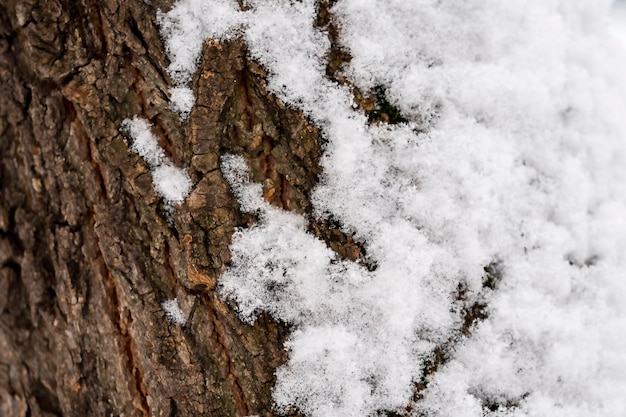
(86, 252)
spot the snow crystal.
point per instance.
(513, 153)
(182, 100)
(171, 183)
(173, 312)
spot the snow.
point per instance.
(171, 183)
(182, 101)
(173, 312)
(514, 153)
(618, 24)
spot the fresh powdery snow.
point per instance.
(173, 311)
(171, 183)
(619, 21)
(514, 156)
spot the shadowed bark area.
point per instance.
(86, 253)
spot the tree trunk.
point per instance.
(87, 255)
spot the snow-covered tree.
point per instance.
(312, 207)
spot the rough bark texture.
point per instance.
(86, 252)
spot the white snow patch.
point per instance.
(521, 162)
(171, 183)
(182, 100)
(618, 21)
(145, 144)
(173, 312)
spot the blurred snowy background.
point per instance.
(619, 20)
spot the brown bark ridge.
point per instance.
(86, 252)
